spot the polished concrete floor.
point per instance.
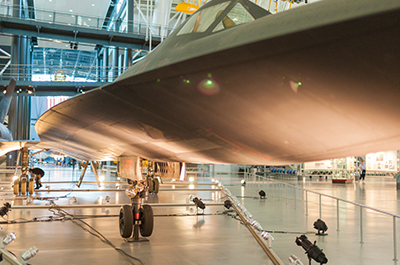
(289, 218)
(182, 237)
(179, 237)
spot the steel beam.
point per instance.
(15, 26)
(55, 88)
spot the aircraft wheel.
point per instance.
(23, 186)
(150, 184)
(16, 187)
(125, 221)
(31, 186)
(147, 221)
(156, 186)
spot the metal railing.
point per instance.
(66, 73)
(263, 238)
(259, 181)
(77, 20)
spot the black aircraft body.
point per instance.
(236, 84)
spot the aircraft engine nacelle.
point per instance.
(170, 170)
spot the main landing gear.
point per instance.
(153, 183)
(136, 217)
(22, 184)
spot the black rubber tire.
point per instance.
(147, 221)
(31, 186)
(23, 186)
(156, 186)
(125, 221)
(150, 184)
(16, 187)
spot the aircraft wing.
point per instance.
(313, 83)
(8, 146)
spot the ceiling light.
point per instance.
(294, 260)
(9, 238)
(227, 204)
(70, 10)
(30, 252)
(320, 226)
(199, 203)
(4, 210)
(92, 4)
(106, 200)
(312, 250)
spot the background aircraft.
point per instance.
(234, 84)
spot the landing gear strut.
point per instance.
(23, 184)
(153, 183)
(136, 218)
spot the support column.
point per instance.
(23, 57)
(99, 64)
(115, 64)
(105, 64)
(159, 14)
(12, 113)
(128, 52)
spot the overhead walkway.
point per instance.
(66, 80)
(77, 28)
(53, 88)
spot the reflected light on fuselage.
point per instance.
(208, 87)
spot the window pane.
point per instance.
(238, 15)
(203, 19)
(188, 28)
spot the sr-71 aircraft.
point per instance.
(235, 84)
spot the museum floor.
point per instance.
(182, 237)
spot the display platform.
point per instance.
(342, 181)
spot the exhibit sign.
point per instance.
(382, 161)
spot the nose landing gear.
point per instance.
(136, 218)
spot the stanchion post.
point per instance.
(394, 239)
(337, 214)
(361, 225)
(320, 206)
(306, 203)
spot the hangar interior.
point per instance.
(59, 49)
